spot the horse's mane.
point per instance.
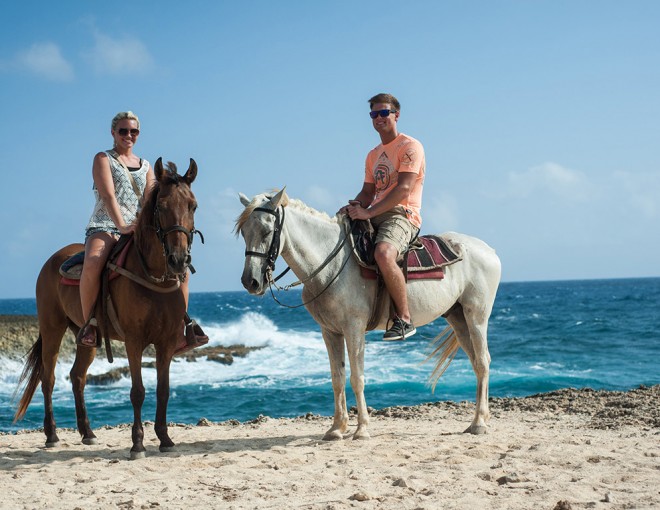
(286, 201)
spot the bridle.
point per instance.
(274, 251)
(274, 248)
(162, 234)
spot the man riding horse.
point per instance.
(391, 197)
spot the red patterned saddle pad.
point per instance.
(425, 260)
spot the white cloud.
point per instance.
(112, 55)
(45, 60)
(550, 178)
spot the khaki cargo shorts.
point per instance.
(394, 227)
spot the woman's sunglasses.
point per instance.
(382, 113)
(125, 131)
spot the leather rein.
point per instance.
(274, 251)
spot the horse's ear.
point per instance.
(277, 199)
(158, 168)
(191, 174)
(244, 200)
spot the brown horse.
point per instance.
(148, 302)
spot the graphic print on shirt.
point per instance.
(409, 157)
(383, 172)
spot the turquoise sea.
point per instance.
(602, 334)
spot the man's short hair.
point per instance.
(385, 99)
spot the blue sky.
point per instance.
(540, 120)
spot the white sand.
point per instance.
(536, 456)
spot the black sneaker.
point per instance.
(400, 330)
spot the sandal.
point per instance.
(194, 337)
(87, 336)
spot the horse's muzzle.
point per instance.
(252, 285)
(178, 262)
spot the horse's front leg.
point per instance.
(163, 360)
(78, 376)
(334, 343)
(356, 344)
(134, 352)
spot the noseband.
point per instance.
(162, 233)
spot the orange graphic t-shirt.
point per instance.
(385, 162)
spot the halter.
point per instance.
(274, 251)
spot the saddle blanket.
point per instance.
(425, 260)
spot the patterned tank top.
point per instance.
(129, 202)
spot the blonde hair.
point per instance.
(124, 115)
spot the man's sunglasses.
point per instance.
(125, 131)
(382, 113)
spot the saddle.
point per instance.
(71, 270)
(425, 258)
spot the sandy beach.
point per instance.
(569, 449)
(563, 450)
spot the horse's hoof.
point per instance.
(476, 430)
(52, 444)
(167, 449)
(362, 436)
(138, 455)
(90, 440)
(333, 435)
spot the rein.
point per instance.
(273, 253)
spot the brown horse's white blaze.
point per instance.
(148, 314)
(343, 308)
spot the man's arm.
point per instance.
(363, 198)
(394, 198)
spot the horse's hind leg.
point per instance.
(51, 335)
(334, 343)
(471, 333)
(78, 375)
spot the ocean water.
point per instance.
(602, 334)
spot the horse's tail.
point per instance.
(445, 348)
(32, 372)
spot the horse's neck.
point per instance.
(150, 251)
(309, 240)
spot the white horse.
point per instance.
(341, 301)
